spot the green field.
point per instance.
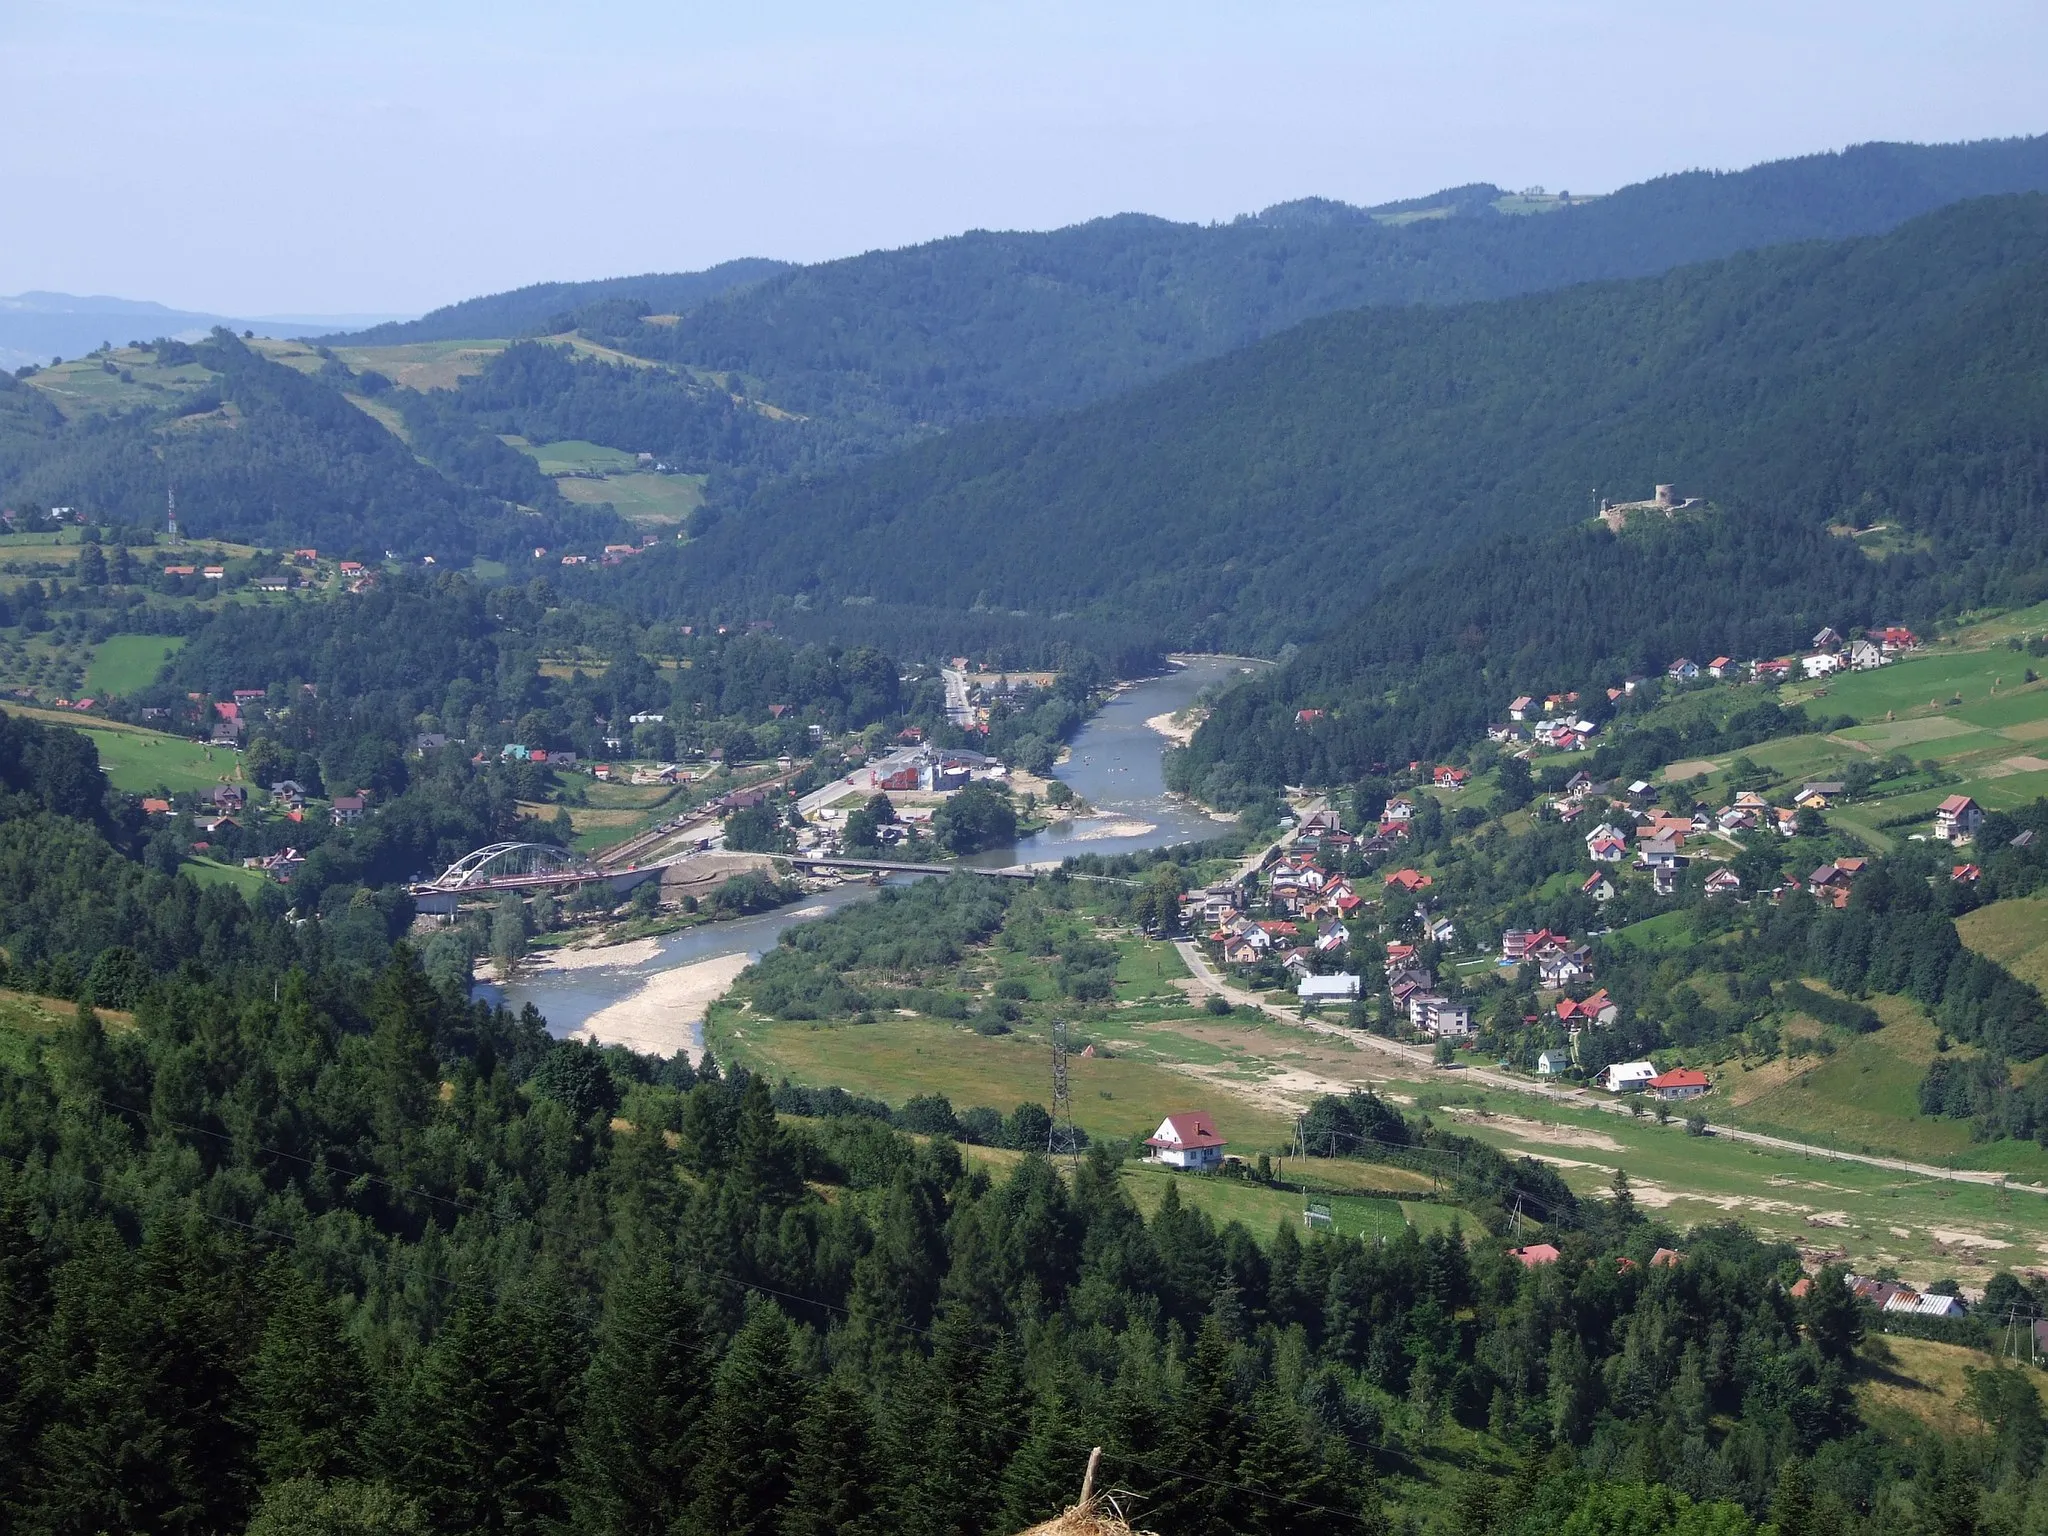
(572, 454)
(1864, 1098)
(2014, 933)
(1927, 1227)
(141, 762)
(1264, 1210)
(84, 387)
(124, 664)
(897, 1058)
(646, 498)
(211, 872)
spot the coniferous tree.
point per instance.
(642, 1400)
(310, 1385)
(836, 1486)
(749, 1440)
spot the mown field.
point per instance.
(2014, 933)
(124, 664)
(139, 761)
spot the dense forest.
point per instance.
(1252, 500)
(1007, 324)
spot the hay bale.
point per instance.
(1098, 1517)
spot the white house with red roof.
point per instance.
(1187, 1141)
(1678, 1083)
(1956, 819)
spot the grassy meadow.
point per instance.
(138, 761)
(123, 664)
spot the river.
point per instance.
(1115, 765)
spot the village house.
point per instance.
(1598, 887)
(1956, 819)
(1564, 966)
(1724, 882)
(1896, 637)
(1820, 664)
(1400, 808)
(1678, 1083)
(1683, 671)
(1535, 1255)
(1826, 639)
(1865, 655)
(1519, 709)
(1188, 1141)
(1627, 1076)
(1451, 778)
(1409, 880)
(1599, 1009)
(1550, 1063)
(1440, 1016)
(347, 810)
(1818, 796)
(1722, 667)
(1779, 667)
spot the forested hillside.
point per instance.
(1005, 324)
(1258, 498)
(524, 311)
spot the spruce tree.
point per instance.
(642, 1399)
(309, 1383)
(749, 1437)
(836, 1486)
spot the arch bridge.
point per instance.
(520, 867)
(512, 864)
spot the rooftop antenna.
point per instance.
(1060, 1140)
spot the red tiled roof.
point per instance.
(1679, 1077)
(1194, 1129)
(1535, 1254)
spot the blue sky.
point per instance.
(366, 155)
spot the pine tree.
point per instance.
(834, 1489)
(1041, 1479)
(310, 1385)
(1207, 1435)
(1792, 1505)
(642, 1400)
(408, 1074)
(749, 1437)
(24, 1315)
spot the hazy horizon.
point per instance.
(217, 157)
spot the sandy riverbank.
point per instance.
(1179, 732)
(580, 957)
(1094, 828)
(661, 1018)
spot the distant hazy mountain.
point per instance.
(37, 326)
